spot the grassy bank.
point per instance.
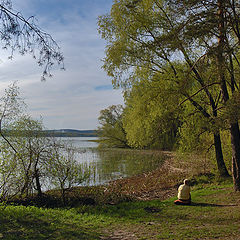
(128, 214)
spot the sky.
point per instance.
(72, 98)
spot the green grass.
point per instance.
(215, 214)
(18, 222)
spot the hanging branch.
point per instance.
(21, 34)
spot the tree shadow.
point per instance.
(212, 205)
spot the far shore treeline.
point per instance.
(58, 133)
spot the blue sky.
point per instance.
(72, 98)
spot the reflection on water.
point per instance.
(111, 164)
(119, 163)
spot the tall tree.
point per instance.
(214, 27)
(223, 42)
(147, 35)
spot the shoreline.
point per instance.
(161, 184)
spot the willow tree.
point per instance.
(146, 34)
(111, 131)
(150, 118)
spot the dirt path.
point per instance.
(119, 235)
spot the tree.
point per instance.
(111, 132)
(22, 145)
(216, 31)
(20, 34)
(28, 149)
(147, 35)
(150, 119)
(11, 108)
(64, 169)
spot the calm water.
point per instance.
(111, 164)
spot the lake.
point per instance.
(112, 164)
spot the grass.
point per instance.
(214, 214)
(18, 222)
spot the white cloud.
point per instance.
(70, 98)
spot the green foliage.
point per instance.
(111, 131)
(142, 41)
(150, 116)
(194, 133)
(64, 171)
(27, 154)
(230, 111)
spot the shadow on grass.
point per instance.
(41, 231)
(211, 205)
(30, 226)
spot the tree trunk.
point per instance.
(38, 185)
(235, 141)
(234, 127)
(217, 140)
(219, 156)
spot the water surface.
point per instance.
(112, 164)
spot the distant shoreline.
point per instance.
(70, 133)
(57, 133)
